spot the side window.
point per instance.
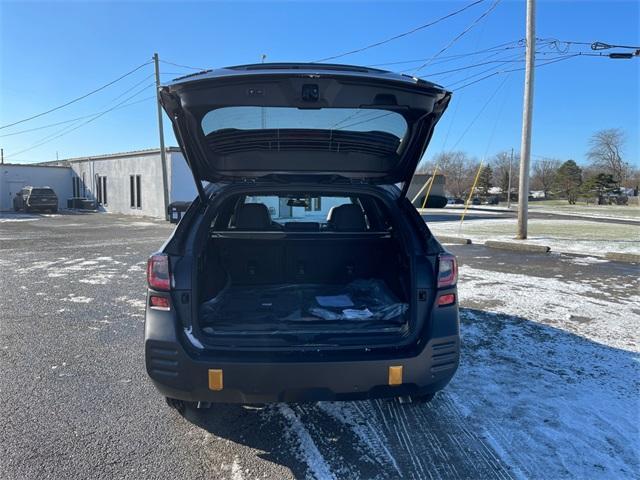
(138, 191)
(132, 191)
(135, 191)
(101, 190)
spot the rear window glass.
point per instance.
(42, 191)
(343, 119)
(299, 208)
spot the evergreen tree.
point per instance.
(485, 181)
(569, 180)
(600, 186)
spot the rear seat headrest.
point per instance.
(347, 218)
(253, 216)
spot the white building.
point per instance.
(15, 176)
(128, 183)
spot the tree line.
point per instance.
(600, 180)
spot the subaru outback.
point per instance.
(301, 271)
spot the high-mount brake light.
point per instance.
(447, 270)
(158, 275)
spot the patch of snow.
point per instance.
(17, 219)
(79, 299)
(587, 260)
(367, 432)
(98, 279)
(551, 300)
(551, 404)
(307, 451)
(141, 304)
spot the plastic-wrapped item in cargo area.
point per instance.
(256, 307)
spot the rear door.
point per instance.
(326, 122)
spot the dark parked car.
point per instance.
(301, 271)
(31, 199)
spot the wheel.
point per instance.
(179, 405)
(425, 398)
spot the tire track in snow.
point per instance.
(386, 439)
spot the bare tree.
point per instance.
(457, 168)
(606, 153)
(544, 175)
(500, 164)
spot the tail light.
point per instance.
(158, 275)
(447, 270)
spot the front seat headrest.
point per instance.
(253, 216)
(347, 218)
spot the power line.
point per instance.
(556, 60)
(480, 113)
(403, 34)
(43, 127)
(76, 99)
(496, 48)
(72, 128)
(184, 66)
(459, 36)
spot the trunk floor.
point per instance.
(357, 307)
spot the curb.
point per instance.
(458, 240)
(623, 257)
(518, 247)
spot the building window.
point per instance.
(75, 184)
(101, 189)
(138, 191)
(84, 187)
(135, 191)
(132, 191)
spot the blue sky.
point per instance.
(53, 52)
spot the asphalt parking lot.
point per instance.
(547, 386)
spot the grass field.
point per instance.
(575, 236)
(612, 211)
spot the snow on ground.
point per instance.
(550, 373)
(575, 306)
(307, 450)
(574, 236)
(551, 404)
(547, 388)
(18, 219)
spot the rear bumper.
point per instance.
(177, 374)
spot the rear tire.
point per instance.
(179, 405)
(423, 399)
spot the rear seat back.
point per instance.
(348, 217)
(300, 260)
(253, 216)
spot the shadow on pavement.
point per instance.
(521, 404)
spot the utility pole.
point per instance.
(527, 110)
(509, 187)
(163, 153)
(1, 156)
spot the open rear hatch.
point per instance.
(316, 126)
(293, 121)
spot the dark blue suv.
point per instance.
(301, 271)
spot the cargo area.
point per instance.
(343, 279)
